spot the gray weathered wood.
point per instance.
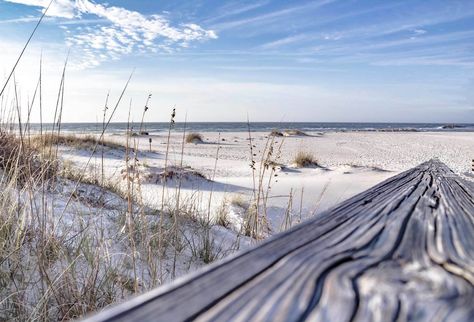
(401, 251)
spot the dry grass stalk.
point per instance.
(256, 222)
(287, 221)
(162, 214)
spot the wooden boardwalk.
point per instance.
(400, 251)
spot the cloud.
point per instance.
(234, 9)
(133, 22)
(286, 41)
(122, 31)
(19, 20)
(419, 31)
(272, 16)
(59, 8)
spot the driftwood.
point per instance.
(401, 251)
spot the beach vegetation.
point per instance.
(194, 138)
(294, 133)
(305, 160)
(276, 133)
(86, 142)
(74, 238)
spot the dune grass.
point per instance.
(305, 160)
(276, 133)
(22, 162)
(73, 241)
(294, 133)
(86, 142)
(62, 257)
(239, 200)
(69, 261)
(194, 138)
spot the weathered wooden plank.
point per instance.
(401, 251)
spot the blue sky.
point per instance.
(324, 60)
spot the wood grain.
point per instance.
(400, 251)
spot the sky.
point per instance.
(221, 60)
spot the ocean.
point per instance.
(259, 126)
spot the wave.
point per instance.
(159, 128)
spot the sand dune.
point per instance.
(349, 162)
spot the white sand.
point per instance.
(352, 162)
(97, 221)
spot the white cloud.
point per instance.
(285, 41)
(419, 31)
(122, 32)
(273, 16)
(59, 8)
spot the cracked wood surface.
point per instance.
(400, 251)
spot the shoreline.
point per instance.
(227, 127)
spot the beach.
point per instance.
(236, 160)
(128, 212)
(347, 163)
